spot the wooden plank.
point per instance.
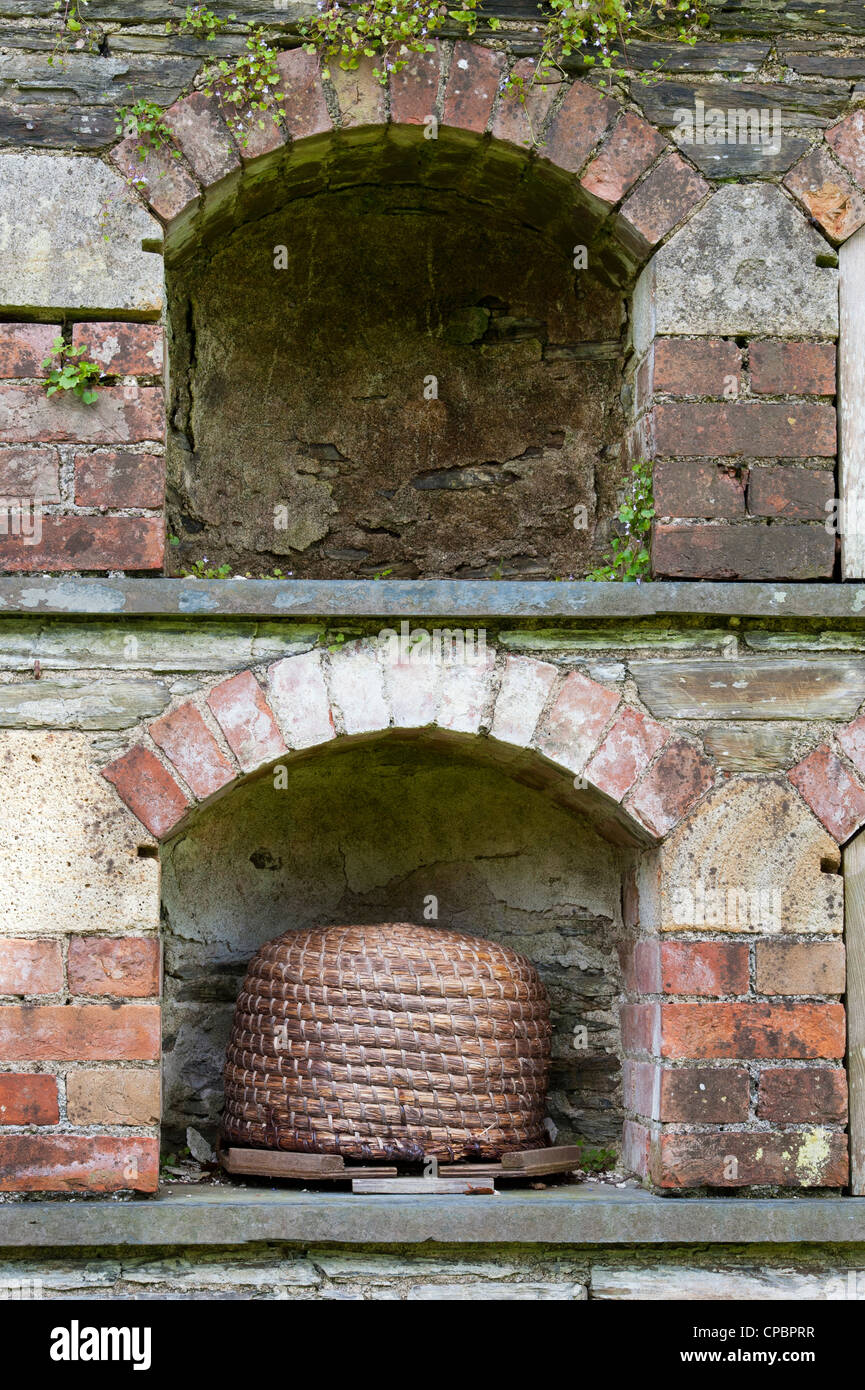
(279, 1164)
(851, 406)
(560, 1159)
(423, 1187)
(762, 688)
(854, 921)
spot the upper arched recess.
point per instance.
(569, 160)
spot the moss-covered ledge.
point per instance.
(420, 598)
(588, 1216)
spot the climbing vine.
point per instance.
(247, 86)
(389, 30)
(599, 31)
(629, 559)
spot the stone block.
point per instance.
(745, 263)
(752, 858)
(71, 236)
(65, 877)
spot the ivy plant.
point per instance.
(146, 121)
(247, 86)
(629, 559)
(68, 370)
(201, 22)
(74, 31)
(599, 30)
(387, 29)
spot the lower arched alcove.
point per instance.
(394, 830)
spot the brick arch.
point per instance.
(628, 178)
(637, 779)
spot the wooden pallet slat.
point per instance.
(465, 1186)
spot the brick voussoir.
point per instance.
(677, 778)
(148, 789)
(835, 794)
(202, 135)
(241, 710)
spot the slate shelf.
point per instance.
(591, 1215)
(419, 598)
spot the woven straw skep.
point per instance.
(388, 1042)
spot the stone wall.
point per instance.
(727, 343)
(702, 775)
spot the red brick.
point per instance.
(797, 494)
(672, 785)
(122, 349)
(851, 738)
(304, 109)
(639, 1025)
(26, 1099)
(695, 366)
(414, 90)
(800, 967)
(753, 429)
(24, 346)
(661, 201)
(754, 550)
(160, 178)
(803, 1094)
(120, 415)
(113, 1096)
(577, 127)
(635, 1148)
(704, 1095)
(641, 966)
(828, 194)
(779, 368)
(576, 721)
(186, 740)
(697, 488)
(30, 473)
(847, 139)
(704, 967)
(108, 479)
(148, 789)
(521, 122)
(471, 86)
(30, 967)
(624, 155)
(201, 133)
(626, 752)
(124, 967)
(786, 1029)
(79, 1032)
(760, 1159)
(78, 1163)
(89, 543)
(246, 719)
(687, 1095)
(835, 797)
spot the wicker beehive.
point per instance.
(391, 1041)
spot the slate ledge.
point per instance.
(419, 598)
(590, 1216)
